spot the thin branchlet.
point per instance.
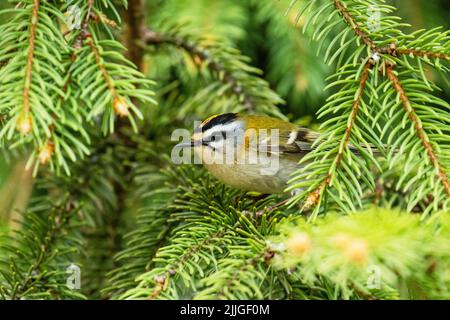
(314, 197)
(25, 116)
(421, 134)
(202, 55)
(391, 49)
(108, 80)
(162, 280)
(422, 53)
(352, 23)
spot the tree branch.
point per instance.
(391, 50)
(162, 280)
(202, 55)
(418, 127)
(423, 53)
(134, 18)
(351, 22)
(24, 123)
(62, 215)
(314, 197)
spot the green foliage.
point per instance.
(54, 85)
(191, 226)
(230, 83)
(55, 234)
(107, 199)
(360, 250)
(293, 66)
(216, 20)
(383, 100)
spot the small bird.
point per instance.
(250, 152)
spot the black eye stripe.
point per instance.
(220, 119)
(229, 135)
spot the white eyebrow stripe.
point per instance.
(292, 137)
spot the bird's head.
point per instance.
(216, 133)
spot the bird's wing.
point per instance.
(297, 142)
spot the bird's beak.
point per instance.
(189, 144)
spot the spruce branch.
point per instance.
(315, 197)
(202, 55)
(292, 67)
(118, 83)
(25, 122)
(31, 109)
(341, 250)
(237, 275)
(225, 63)
(423, 45)
(353, 24)
(61, 218)
(421, 134)
(118, 107)
(418, 53)
(204, 226)
(162, 280)
(41, 251)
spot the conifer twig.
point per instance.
(25, 124)
(423, 53)
(101, 67)
(391, 50)
(163, 279)
(202, 55)
(418, 127)
(348, 18)
(314, 197)
(61, 218)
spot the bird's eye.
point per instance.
(217, 137)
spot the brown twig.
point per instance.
(119, 104)
(348, 18)
(30, 60)
(314, 197)
(101, 66)
(418, 126)
(391, 49)
(423, 53)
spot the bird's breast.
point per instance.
(266, 176)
